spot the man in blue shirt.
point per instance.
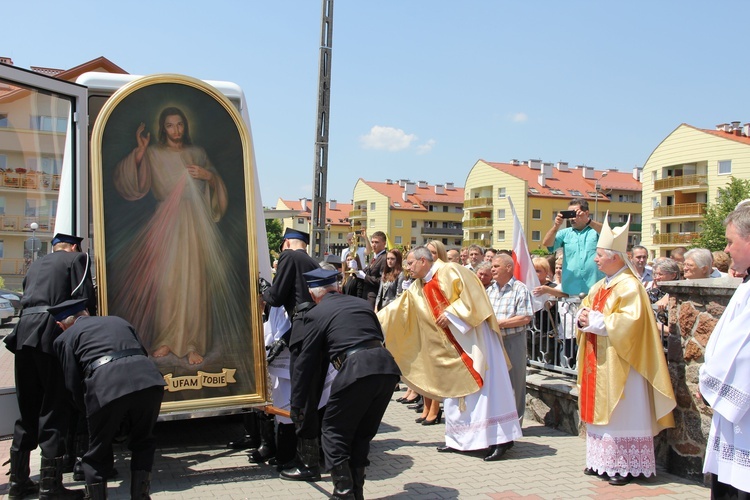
(578, 242)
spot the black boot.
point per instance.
(20, 484)
(51, 483)
(343, 484)
(286, 447)
(96, 491)
(140, 485)
(358, 478)
(251, 439)
(267, 448)
(307, 467)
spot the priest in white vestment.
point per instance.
(725, 376)
(443, 334)
(625, 393)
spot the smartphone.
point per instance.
(568, 214)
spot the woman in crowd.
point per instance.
(557, 277)
(665, 269)
(437, 249)
(698, 264)
(392, 280)
(351, 285)
(721, 262)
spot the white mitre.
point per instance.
(614, 239)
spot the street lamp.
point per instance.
(597, 187)
(34, 226)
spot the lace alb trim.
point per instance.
(620, 455)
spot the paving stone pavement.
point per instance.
(193, 463)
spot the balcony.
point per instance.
(682, 181)
(675, 238)
(681, 210)
(478, 222)
(29, 180)
(477, 203)
(443, 231)
(485, 242)
(360, 213)
(14, 266)
(22, 223)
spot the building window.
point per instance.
(501, 193)
(536, 214)
(372, 222)
(300, 220)
(536, 236)
(501, 235)
(445, 208)
(341, 236)
(500, 214)
(2, 249)
(413, 240)
(725, 167)
(3, 161)
(49, 123)
(398, 240)
(32, 210)
(413, 224)
(653, 176)
(575, 192)
(3, 120)
(399, 222)
(2, 205)
(372, 206)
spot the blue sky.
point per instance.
(421, 89)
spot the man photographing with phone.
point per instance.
(578, 242)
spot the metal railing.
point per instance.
(675, 238)
(551, 339)
(478, 202)
(478, 222)
(680, 210)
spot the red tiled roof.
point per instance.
(571, 180)
(421, 196)
(724, 135)
(337, 216)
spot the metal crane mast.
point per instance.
(320, 167)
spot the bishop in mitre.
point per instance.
(444, 337)
(625, 393)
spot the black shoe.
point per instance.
(301, 473)
(420, 420)
(244, 443)
(401, 400)
(435, 420)
(412, 401)
(618, 480)
(496, 452)
(418, 407)
(590, 472)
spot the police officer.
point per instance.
(111, 378)
(42, 401)
(345, 331)
(289, 290)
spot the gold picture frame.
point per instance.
(172, 170)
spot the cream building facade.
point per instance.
(337, 221)
(683, 174)
(409, 212)
(539, 191)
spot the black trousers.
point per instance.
(723, 491)
(43, 403)
(352, 419)
(139, 411)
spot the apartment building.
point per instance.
(539, 191)
(337, 221)
(33, 140)
(683, 174)
(410, 213)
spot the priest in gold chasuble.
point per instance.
(625, 393)
(444, 337)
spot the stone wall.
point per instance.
(694, 309)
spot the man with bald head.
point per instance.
(511, 302)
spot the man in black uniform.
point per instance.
(289, 290)
(373, 273)
(108, 372)
(345, 331)
(42, 400)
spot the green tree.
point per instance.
(273, 233)
(712, 232)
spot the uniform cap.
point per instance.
(293, 234)
(321, 277)
(66, 238)
(67, 308)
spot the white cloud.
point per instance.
(519, 117)
(387, 138)
(426, 147)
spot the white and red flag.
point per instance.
(524, 268)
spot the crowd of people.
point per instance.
(452, 325)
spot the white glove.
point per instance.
(361, 275)
(352, 265)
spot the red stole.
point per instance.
(438, 302)
(588, 379)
